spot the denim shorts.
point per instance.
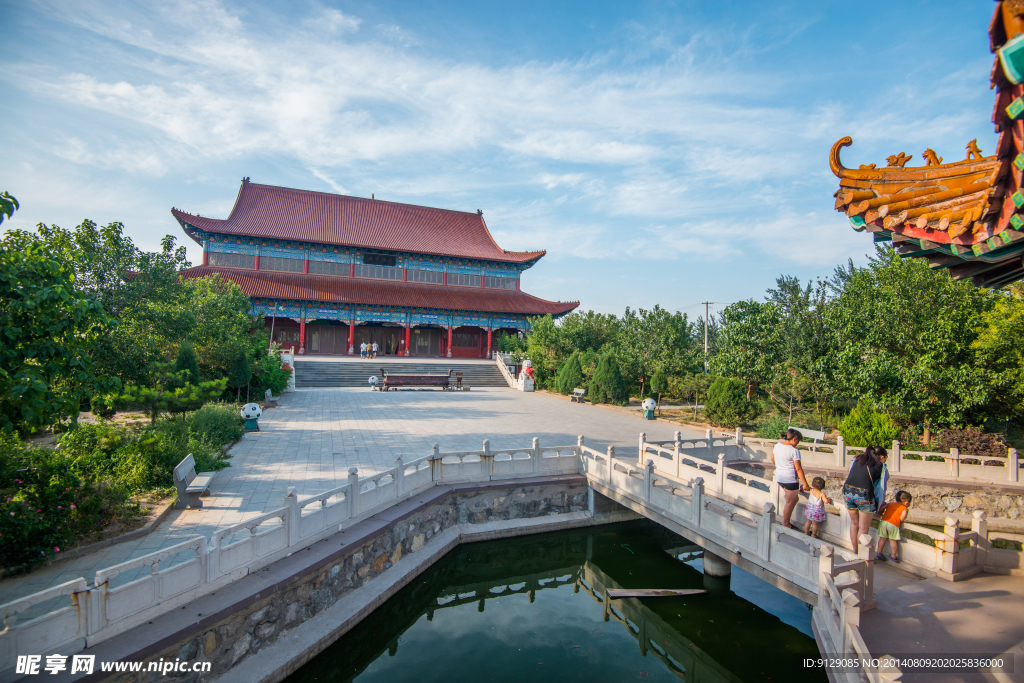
(858, 499)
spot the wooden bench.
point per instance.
(189, 484)
(270, 400)
(577, 395)
(810, 433)
(427, 380)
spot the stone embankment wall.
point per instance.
(252, 627)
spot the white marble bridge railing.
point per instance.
(733, 509)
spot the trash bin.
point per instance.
(649, 406)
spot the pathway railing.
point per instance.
(733, 509)
(502, 359)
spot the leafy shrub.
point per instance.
(971, 441)
(727, 403)
(771, 427)
(570, 375)
(101, 408)
(271, 374)
(48, 499)
(659, 383)
(866, 426)
(218, 423)
(607, 385)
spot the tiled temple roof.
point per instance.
(271, 212)
(302, 287)
(960, 215)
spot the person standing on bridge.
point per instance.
(859, 490)
(789, 473)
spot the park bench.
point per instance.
(271, 400)
(189, 484)
(427, 380)
(577, 395)
(810, 433)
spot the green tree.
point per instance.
(654, 339)
(240, 375)
(570, 375)
(866, 426)
(186, 363)
(588, 331)
(1000, 353)
(659, 383)
(49, 332)
(543, 347)
(608, 385)
(750, 344)
(903, 335)
(727, 403)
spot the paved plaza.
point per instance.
(315, 435)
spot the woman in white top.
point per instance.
(789, 474)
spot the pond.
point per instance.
(531, 609)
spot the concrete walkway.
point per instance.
(315, 435)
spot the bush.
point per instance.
(607, 385)
(971, 441)
(273, 375)
(727, 403)
(865, 426)
(218, 423)
(49, 499)
(659, 384)
(570, 375)
(101, 408)
(771, 427)
(186, 362)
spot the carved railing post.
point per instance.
(954, 463)
(979, 525)
(640, 454)
(486, 461)
(766, 530)
(896, 456)
(353, 491)
(709, 437)
(739, 436)
(648, 479)
(678, 437)
(291, 501)
(850, 619)
(1012, 464)
(949, 547)
(610, 457)
(841, 452)
(535, 455)
(866, 552)
(698, 500)
(399, 477)
(721, 474)
(435, 463)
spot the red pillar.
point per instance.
(481, 280)
(206, 257)
(351, 270)
(351, 337)
(449, 341)
(407, 340)
(302, 336)
(488, 342)
(517, 284)
(257, 264)
(305, 266)
(405, 274)
(444, 278)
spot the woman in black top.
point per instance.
(859, 491)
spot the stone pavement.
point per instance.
(312, 438)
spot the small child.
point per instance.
(814, 511)
(893, 515)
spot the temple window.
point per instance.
(287, 265)
(378, 272)
(328, 268)
(232, 260)
(426, 276)
(373, 259)
(463, 279)
(500, 282)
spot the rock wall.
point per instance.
(258, 624)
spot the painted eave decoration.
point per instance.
(964, 214)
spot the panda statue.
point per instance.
(251, 413)
(373, 382)
(648, 405)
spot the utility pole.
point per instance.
(705, 335)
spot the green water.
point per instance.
(539, 621)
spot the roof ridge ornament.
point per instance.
(899, 160)
(973, 151)
(245, 179)
(931, 157)
(833, 155)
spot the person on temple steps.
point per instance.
(373, 350)
(789, 473)
(859, 490)
(362, 350)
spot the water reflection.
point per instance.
(536, 607)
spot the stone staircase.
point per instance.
(356, 373)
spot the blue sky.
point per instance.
(663, 153)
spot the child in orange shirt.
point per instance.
(893, 515)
